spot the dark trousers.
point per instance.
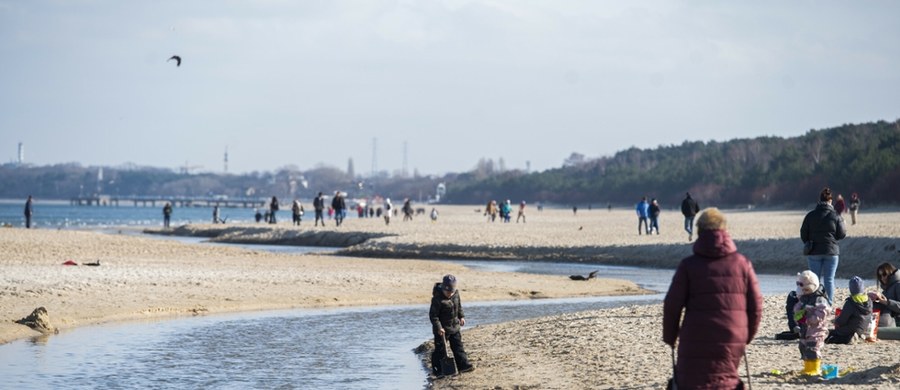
(27, 221)
(456, 345)
(789, 309)
(297, 219)
(643, 221)
(319, 217)
(166, 220)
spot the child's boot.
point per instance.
(812, 367)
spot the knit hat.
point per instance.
(449, 283)
(856, 285)
(711, 219)
(808, 282)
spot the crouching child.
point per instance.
(447, 317)
(811, 314)
(855, 315)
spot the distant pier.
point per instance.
(159, 201)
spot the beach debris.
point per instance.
(176, 58)
(94, 264)
(589, 276)
(39, 320)
(581, 228)
(69, 262)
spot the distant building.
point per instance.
(21, 159)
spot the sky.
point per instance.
(304, 83)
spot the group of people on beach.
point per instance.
(648, 215)
(504, 211)
(713, 307)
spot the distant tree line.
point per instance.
(763, 171)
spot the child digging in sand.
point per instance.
(811, 314)
(855, 315)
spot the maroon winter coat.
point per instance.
(718, 289)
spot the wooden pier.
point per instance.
(159, 201)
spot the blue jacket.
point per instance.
(643, 209)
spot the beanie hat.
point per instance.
(856, 285)
(449, 283)
(808, 282)
(711, 219)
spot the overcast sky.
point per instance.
(309, 82)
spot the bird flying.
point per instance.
(177, 60)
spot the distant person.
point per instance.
(540, 207)
(319, 206)
(521, 212)
(407, 210)
(257, 215)
(574, 210)
(654, 211)
(29, 211)
(360, 211)
(506, 211)
(643, 212)
(446, 314)
(434, 215)
(215, 213)
(379, 211)
(297, 212)
(689, 208)
(387, 211)
(820, 232)
(839, 205)
(273, 208)
(888, 300)
(491, 211)
(856, 314)
(167, 214)
(609, 207)
(340, 208)
(712, 309)
(854, 207)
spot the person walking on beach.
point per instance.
(297, 212)
(407, 210)
(839, 205)
(273, 207)
(387, 211)
(29, 211)
(216, 218)
(434, 215)
(521, 212)
(717, 292)
(643, 212)
(820, 232)
(340, 208)
(689, 208)
(854, 207)
(654, 216)
(319, 206)
(506, 211)
(167, 214)
(446, 314)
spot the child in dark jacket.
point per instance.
(811, 314)
(855, 315)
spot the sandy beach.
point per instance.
(142, 277)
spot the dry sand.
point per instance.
(617, 348)
(143, 278)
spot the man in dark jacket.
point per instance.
(29, 211)
(339, 207)
(689, 208)
(319, 205)
(855, 315)
(718, 293)
(822, 228)
(447, 317)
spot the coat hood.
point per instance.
(824, 206)
(714, 244)
(438, 291)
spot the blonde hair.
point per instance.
(712, 219)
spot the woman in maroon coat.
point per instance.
(718, 290)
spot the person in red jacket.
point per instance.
(718, 293)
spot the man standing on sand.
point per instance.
(643, 212)
(854, 207)
(689, 208)
(521, 212)
(447, 317)
(319, 205)
(29, 211)
(167, 214)
(339, 207)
